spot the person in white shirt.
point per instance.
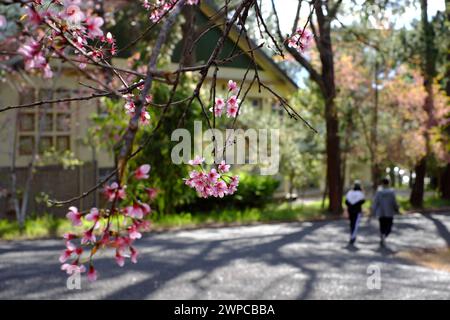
(354, 200)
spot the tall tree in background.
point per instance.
(444, 184)
(428, 68)
(322, 14)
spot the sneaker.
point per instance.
(382, 240)
(352, 241)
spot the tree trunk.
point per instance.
(335, 187)
(444, 184)
(375, 168)
(13, 169)
(333, 160)
(333, 149)
(416, 198)
(428, 72)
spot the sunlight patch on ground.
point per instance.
(438, 258)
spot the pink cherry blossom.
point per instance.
(65, 255)
(34, 17)
(74, 216)
(3, 22)
(143, 225)
(105, 239)
(151, 192)
(234, 183)
(135, 211)
(149, 99)
(223, 167)
(232, 110)
(233, 100)
(92, 274)
(134, 255)
(113, 191)
(109, 38)
(69, 236)
(198, 160)
(73, 268)
(120, 259)
(146, 208)
(144, 119)
(133, 233)
(88, 237)
(70, 246)
(130, 107)
(142, 172)
(93, 215)
(220, 189)
(73, 14)
(213, 176)
(232, 86)
(300, 40)
(34, 58)
(211, 183)
(93, 26)
(218, 107)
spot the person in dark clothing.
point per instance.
(354, 201)
(384, 207)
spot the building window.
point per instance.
(277, 107)
(256, 103)
(50, 124)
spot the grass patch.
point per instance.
(272, 213)
(432, 202)
(38, 227)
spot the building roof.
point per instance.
(262, 58)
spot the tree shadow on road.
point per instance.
(172, 256)
(440, 227)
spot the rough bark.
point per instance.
(444, 184)
(375, 167)
(417, 192)
(333, 149)
(428, 72)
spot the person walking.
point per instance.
(384, 207)
(354, 200)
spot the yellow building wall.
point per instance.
(80, 113)
(81, 110)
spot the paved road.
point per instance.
(277, 261)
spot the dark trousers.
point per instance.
(354, 222)
(386, 225)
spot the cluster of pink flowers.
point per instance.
(159, 8)
(212, 183)
(101, 231)
(57, 24)
(3, 22)
(34, 57)
(230, 103)
(130, 107)
(301, 40)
